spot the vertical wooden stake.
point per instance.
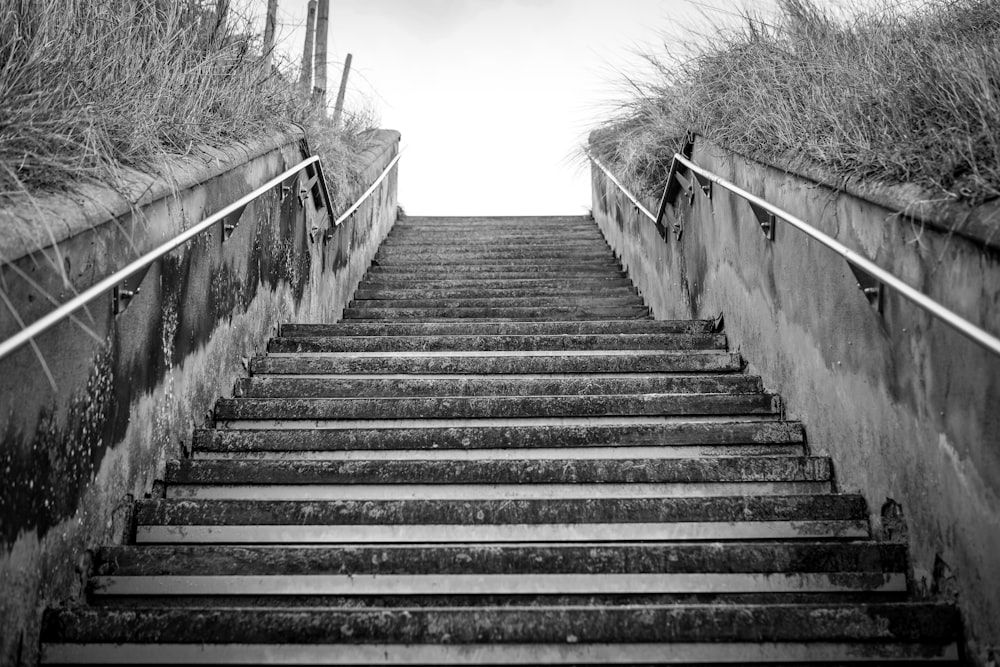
(319, 67)
(269, 25)
(307, 53)
(339, 108)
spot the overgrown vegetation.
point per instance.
(89, 85)
(901, 93)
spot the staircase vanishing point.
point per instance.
(498, 457)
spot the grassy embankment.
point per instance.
(87, 86)
(904, 93)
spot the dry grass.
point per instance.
(902, 93)
(89, 85)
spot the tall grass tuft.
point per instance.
(900, 93)
(89, 85)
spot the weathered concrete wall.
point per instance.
(908, 408)
(126, 400)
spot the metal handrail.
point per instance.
(607, 172)
(952, 319)
(370, 190)
(48, 321)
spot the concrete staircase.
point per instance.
(498, 457)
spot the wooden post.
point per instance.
(307, 53)
(319, 66)
(339, 108)
(269, 25)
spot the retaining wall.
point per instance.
(908, 408)
(127, 390)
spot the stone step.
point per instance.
(436, 276)
(564, 270)
(478, 407)
(513, 238)
(512, 313)
(672, 440)
(506, 471)
(542, 558)
(462, 247)
(524, 573)
(555, 635)
(582, 301)
(472, 291)
(496, 256)
(495, 479)
(492, 222)
(688, 634)
(445, 241)
(421, 282)
(491, 385)
(498, 328)
(622, 361)
(714, 518)
(500, 343)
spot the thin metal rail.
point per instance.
(369, 191)
(952, 319)
(621, 187)
(110, 282)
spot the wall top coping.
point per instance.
(88, 205)
(979, 224)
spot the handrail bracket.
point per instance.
(122, 294)
(871, 287)
(765, 219)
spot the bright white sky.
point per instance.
(493, 97)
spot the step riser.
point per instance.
(496, 328)
(508, 343)
(476, 407)
(436, 425)
(518, 440)
(622, 452)
(421, 281)
(493, 314)
(486, 386)
(561, 473)
(578, 491)
(556, 268)
(486, 302)
(461, 534)
(509, 437)
(572, 294)
(705, 362)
